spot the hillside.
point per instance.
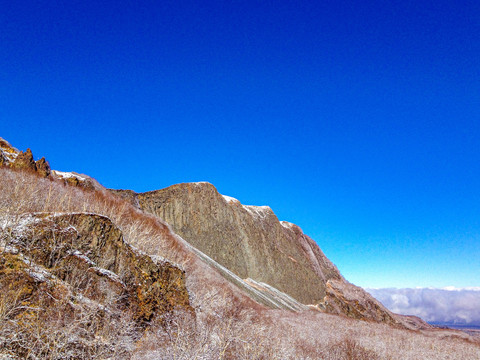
(87, 274)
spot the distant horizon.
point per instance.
(449, 307)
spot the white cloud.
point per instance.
(448, 305)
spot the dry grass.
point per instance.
(56, 330)
(227, 324)
(23, 192)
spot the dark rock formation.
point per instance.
(87, 253)
(9, 156)
(3, 159)
(43, 167)
(24, 161)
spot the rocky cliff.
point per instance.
(15, 159)
(251, 242)
(248, 240)
(74, 272)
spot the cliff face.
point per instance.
(248, 240)
(252, 243)
(86, 255)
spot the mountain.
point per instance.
(270, 260)
(252, 243)
(178, 273)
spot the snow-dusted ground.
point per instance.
(230, 199)
(66, 175)
(256, 211)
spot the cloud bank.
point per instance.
(456, 306)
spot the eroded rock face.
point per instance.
(11, 157)
(87, 253)
(43, 167)
(25, 161)
(248, 240)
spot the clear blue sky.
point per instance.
(357, 120)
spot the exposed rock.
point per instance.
(348, 299)
(43, 167)
(10, 156)
(414, 322)
(7, 152)
(87, 251)
(74, 179)
(24, 161)
(250, 242)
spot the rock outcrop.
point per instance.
(24, 161)
(8, 153)
(252, 243)
(11, 157)
(71, 288)
(86, 254)
(43, 167)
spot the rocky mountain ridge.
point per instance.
(272, 261)
(16, 159)
(253, 244)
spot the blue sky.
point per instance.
(358, 121)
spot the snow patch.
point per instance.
(230, 199)
(258, 211)
(36, 272)
(287, 224)
(107, 273)
(11, 156)
(83, 257)
(66, 175)
(18, 223)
